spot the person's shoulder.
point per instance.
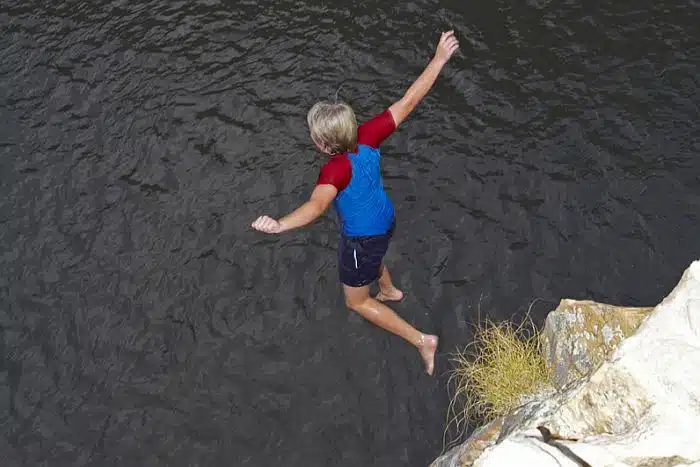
(373, 132)
(337, 171)
(339, 161)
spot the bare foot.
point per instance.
(427, 349)
(391, 295)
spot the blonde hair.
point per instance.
(333, 127)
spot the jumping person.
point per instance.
(351, 180)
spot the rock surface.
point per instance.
(472, 448)
(580, 335)
(639, 407)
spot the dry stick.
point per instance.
(550, 438)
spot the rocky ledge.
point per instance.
(628, 393)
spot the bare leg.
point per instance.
(358, 299)
(387, 289)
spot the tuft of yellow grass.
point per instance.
(503, 363)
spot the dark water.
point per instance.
(144, 323)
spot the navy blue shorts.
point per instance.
(359, 258)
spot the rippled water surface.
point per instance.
(142, 322)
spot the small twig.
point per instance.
(550, 438)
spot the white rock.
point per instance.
(580, 334)
(527, 451)
(641, 408)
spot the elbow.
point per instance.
(403, 107)
(410, 101)
(317, 209)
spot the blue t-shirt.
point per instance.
(362, 205)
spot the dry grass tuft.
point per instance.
(504, 363)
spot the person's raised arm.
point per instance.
(320, 199)
(446, 47)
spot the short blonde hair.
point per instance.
(333, 127)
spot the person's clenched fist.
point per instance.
(266, 224)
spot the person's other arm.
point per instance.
(334, 177)
(446, 47)
(320, 199)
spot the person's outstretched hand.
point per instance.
(447, 46)
(267, 224)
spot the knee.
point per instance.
(353, 303)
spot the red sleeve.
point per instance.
(336, 172)
(376, 130)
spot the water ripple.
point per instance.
(143, 323)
